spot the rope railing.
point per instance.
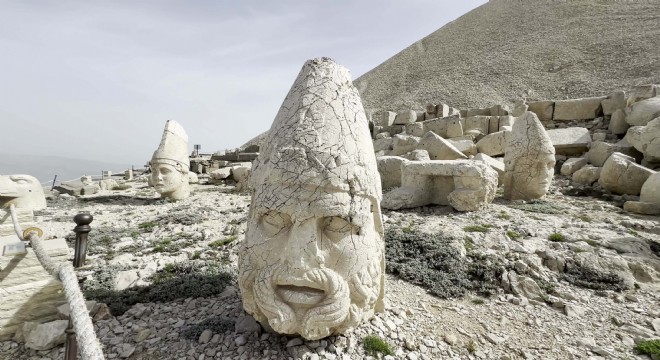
(88, 344)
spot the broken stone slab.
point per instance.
(650, 191)
(416, 129)
(493, 144)
(578, 109)
(417, 155)
(615, 101)
(439, 148)
(454, 128)
(402, 144)
(442, 110)
(570, 141)
(480, 123)
(241, 174)
(495, 164)
(640, 113)
(389, 168)
(464, 184)
(404, 117)
(646, 139)
(621, 175)
(618, 124)
(45, 336)
(587, 175)
(465, 146)
(220, 174)
(494, 124)
(439, 125)
(600, 151)
(572, 165)
(641, 207)
(384, 118)
(383, 144)
(506, 122)
(543, 109)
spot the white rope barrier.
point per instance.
(88, 345)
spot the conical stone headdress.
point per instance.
(173, 148)
(319, 141)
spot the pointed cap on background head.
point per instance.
(528, 136)
(319, 140)
(173, 148)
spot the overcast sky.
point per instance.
(98, 79)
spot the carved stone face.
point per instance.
(530, 177)
(24, 191)
(169, 181)
(311, 262)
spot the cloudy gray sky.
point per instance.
(98, 79)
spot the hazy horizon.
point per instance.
(97, 81)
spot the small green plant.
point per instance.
(483, 228)
(504, 215)
(557, 237)
(121, 187)
(632, 232)
(478, 301)
(649, 347)
(586, 218)
(163, 245)
(591, 242)
(147, 226)
(513, 234)
(471, 346)
(220, 243)
(410, 228)
(374, 345)
(134, 234)
(468, 244)
(196, 255)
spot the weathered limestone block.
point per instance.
(439, 148)
(621, 175)
(25, 218)
(384, 118)
(402, 144)
(392, 130)
(312, 262)
(529, 160)
(27, 291)
(416, 129)
(493, 144)
(466, 185)
(440, 125)
(107, 184)
(170, 163)
(45, 336)
(643, 92)
(578, 109)
(640, 113)
(572, 165)
(506, 123)
(587, 175)
(601, 151)
(404, 117)
(646, 139)
(480, 123)
(389, 168)
(494, 164)
(465, 146)
(499, 110)
(442, 110)
(519, 108)
(193, 178)
(220, 174)
(22, 191)
(615, 101)
(650, 191)
(618, 124)
(417, 155)
(383, 144)
(454, 127)
(494, 124)
(570, 141)
(543, 109)
(241, 174)
(641, 207)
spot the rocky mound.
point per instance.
(505, 50)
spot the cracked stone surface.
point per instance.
(312, 261)
(170, 163)
(529, 160)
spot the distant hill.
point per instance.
(45, 168)
(508, 49)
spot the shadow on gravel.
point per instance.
(176, 281)
(119, 200)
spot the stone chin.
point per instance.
(314, 304)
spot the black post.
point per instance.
(53, 186)
(82, 231)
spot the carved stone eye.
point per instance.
(275, 222)
(337, 228)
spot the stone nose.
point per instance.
(303, 246)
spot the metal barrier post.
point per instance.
(80, 253)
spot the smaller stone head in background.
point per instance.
(529, 160)
(23, 191)
(169, 164)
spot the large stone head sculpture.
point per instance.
(23, 191)
(529, 159)
(312, 262)
(170, 163)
